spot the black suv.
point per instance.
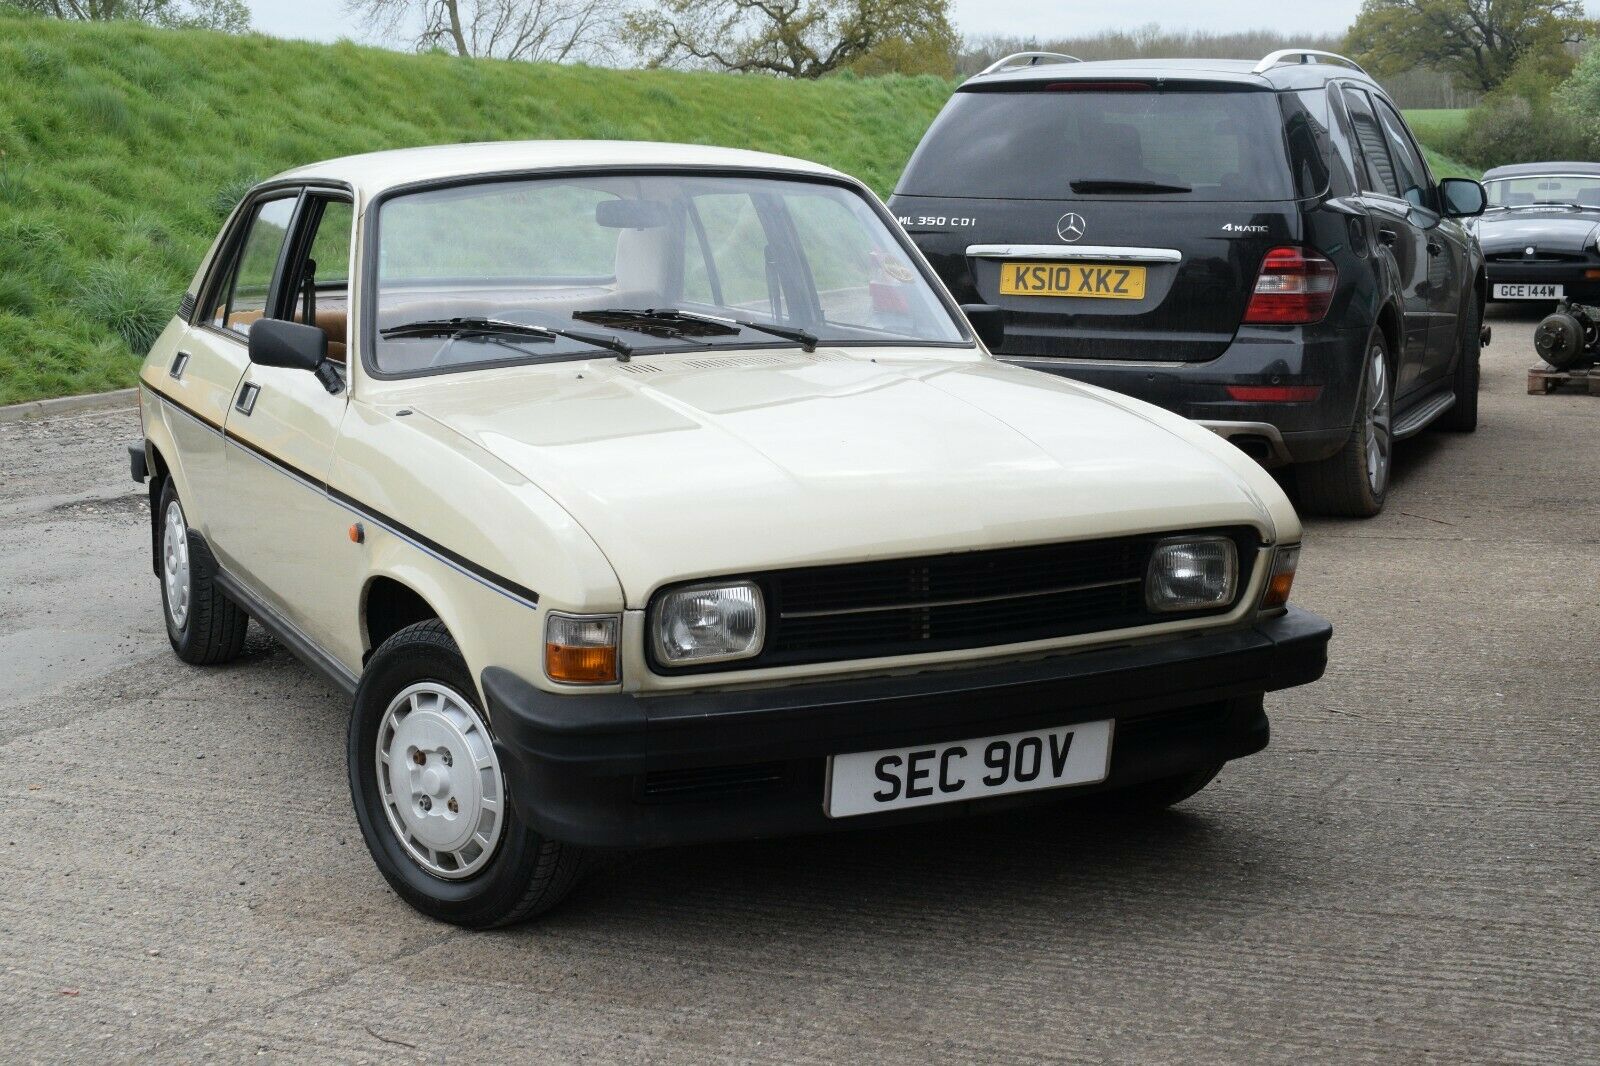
(1256, 245)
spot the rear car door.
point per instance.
(290, 536)
(1400, 237)
(1446, 242)
(1109, 220)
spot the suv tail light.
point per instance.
(1294, 288)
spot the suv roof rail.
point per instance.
(1027, 59)
(1303, 55)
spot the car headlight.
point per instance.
(708, 624)
(581, 649)
(1192, 574)
(1284, 562)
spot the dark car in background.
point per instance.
(1541, 232)
(1255, 245)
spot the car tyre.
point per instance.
(1354, 481)
(1463, 417)
(417, 713)
(205, 627)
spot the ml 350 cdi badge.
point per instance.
(646, 494)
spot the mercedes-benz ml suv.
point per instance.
(1256, 245)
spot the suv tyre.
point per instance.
(1354, 481)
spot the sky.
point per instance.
(325, 20)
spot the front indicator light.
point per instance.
(581, 649)
(1192, 574)
(1281, 580)
(708, 624)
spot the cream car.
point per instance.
(645, 494)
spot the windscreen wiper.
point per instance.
(671, 322)
(457, 328)
(1093, 185)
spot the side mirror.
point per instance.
(1462, 197)
(274, 342)
(988, 322)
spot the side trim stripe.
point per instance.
(454, 560)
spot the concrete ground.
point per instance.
(1409, 872)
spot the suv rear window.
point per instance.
(1031, 145)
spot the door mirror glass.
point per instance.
(274, 342)
(1463, 197)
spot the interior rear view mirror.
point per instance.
(632, 214)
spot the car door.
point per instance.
(210, 362)
(1399, 236)
(1445, 242)
(292, 540)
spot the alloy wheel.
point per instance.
(1379, 421)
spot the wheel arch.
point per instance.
(388, 605)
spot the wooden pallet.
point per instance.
(1545, 379)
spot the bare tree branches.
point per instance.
(544, 30)
(788, 38)
(230, 16)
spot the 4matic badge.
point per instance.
(1235, 227)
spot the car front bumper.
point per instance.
(625, 770)
(1570, 276)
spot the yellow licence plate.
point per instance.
(1091, 280)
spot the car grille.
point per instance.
(962, 600)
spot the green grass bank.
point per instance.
(122, 148)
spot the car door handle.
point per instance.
(180, 363)
(247, 398)
(1387, 237)
(1435, 248)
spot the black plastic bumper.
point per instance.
(619, 770)
(1571, 276)
(1259, 355)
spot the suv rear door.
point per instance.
(1402, 233)
(1110, 220)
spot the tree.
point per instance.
(229, 16)
(1476, 42)
(541, 30)
(789, 38)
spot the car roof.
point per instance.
(374, 172)
(1533, 170)
(1235, 73)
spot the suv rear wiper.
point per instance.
(671, 322)
(1092, 185)
(457, 328)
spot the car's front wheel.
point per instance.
(1355, 480)
(204, 626)
(430, 795)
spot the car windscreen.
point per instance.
(655, 261)
(1579, 189)
(1161, 145)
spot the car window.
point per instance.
(1410, 170)
(326, 264)
(1561, 190)
(1380, 174)
(243, 296)
(1306, 125)
(1032, 145)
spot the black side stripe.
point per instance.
(345, 500)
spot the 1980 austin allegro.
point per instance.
(647, 494)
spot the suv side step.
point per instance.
(1416, 420)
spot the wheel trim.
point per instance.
(1379, 421)
(175, 565)
(439, 781)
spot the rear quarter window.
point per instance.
(1031, 145)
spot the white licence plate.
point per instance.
(1529, 292)
(868, 781)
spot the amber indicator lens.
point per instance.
(581, 649)
(1281, 580)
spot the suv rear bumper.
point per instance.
(1259, 355)
(624, 770)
